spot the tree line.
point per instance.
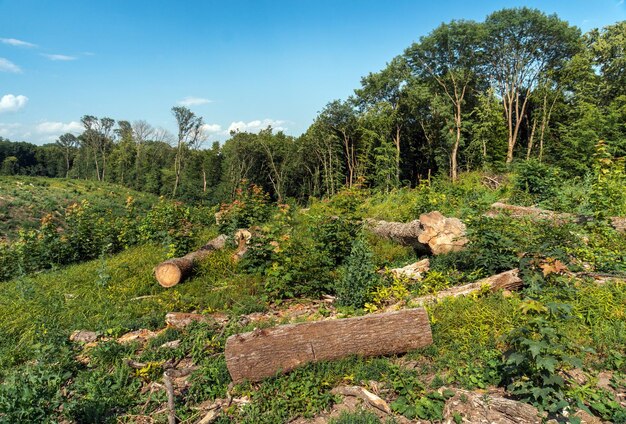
(520, 85)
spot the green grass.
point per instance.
(25, 200)
(118, 293)
(111, 295)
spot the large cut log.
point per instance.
(508, 280)
(173, 271)
(441, 234)
(617, 222)
(432, 233)
(481, 407)
(529, 211)
(262, 353)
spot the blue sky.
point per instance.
(239, 64)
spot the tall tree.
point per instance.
(520, 45)
(340, 117)
(67, 142)
(448, 55)
(386, 88)
(190, 134)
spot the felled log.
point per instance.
(617, 222)
(263, 353)
(180, 320)
(529, 211)
(479, 407)
(432, 233)
(414, 271)
(508, 280)
(173, 271)
(441, 234)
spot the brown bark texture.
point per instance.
(508, 280)
(432, 233)
(173, 271)
(263, 353)
(617, 222)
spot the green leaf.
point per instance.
(547, 363)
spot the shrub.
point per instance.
(359, 277)
(537, 179)
(250, 207)
(537, 353)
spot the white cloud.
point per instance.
(212, 128)
(193, 101)
(11, 103)
(8, 130)
(58, 128)
(8, 66)
(257, 125)
(16, 43)
(58, 57)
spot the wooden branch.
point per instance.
(508, 280)
(263, 353)
(363, 394)
(173, 271)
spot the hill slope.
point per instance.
(25, 200)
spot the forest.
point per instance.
(519, 87)
(446, 245)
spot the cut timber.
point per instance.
(529, 211)
(405, 234)
(480, 407)
(617, 222)
(413, 271)
(508, 280)
(441, 234)
(433, 233)
(173, 271)
(262, 353)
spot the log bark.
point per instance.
(508, 280)
(414, 271)
(173, 271)
(617, 222)
(263, 353)
(480, 407)
(432, 233)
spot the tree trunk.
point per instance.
(432, 233)
(173, 271)
(263, 353)
(617, 222)
(508, 280)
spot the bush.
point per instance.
(250, 207)
(358, 277)
(539, 180)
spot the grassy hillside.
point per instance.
(25, 200)
(560, 321)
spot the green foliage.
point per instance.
(414, 401)
(537, 179)
(89, 233)
(358, 277)
(359, 417)
(168, 223)
(538, 351)
(608, 196)
(250, 207)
